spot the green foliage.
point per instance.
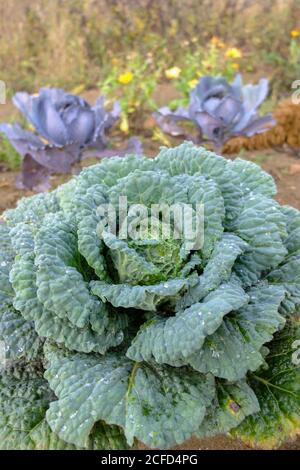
(277, 388)
(209, 60)
(8, 155)
(133, 81)
(143, 338)
(71, 44)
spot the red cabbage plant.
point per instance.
(220, 111)
(64, 125)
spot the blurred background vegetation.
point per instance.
(72, 43)
(146, 53)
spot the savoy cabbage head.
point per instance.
(109, 340)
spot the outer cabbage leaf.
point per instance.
(141, 297)
(160, 406)
(6, 259)
(58, 272)
(23, 405)
(292, 242)
(217, 270)
(158, 340)
(32, 209)
(235, 348)
(18, 334)
(105, 328)
(262, 225)
(235, 179)
(233, 402)
(252, 178)
(287, 275)
(278, 391)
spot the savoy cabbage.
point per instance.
(111, 340)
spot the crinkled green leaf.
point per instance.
(84, 205)
(110, 170)
(262, 225)
(83, 202)
(165, 405)
(147, 297)
(105, 173)
(233, 402)
(278, 391)
(201, 191)
(161, 406)
(19, 336)
(32, 209)
(62, 288)
(288, 276)
(252, 178)
(131, 267)
(91, 246)
(104, 330)
(23, 405)
(6, 260)
(141, 187)
(235, 348)
(188, 159)
(292, 242)
(217, 270)
(159, 339)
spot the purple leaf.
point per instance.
(212, 127)
(168, 125)
(50, 122)
(228, 109)
(258, 126)
(56, 159)
(134, 145)
(19, 138)
(33, 176)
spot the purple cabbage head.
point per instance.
(220, 110)
(64, 125)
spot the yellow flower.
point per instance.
(294, 33)
(235, 65)
(172, 73)
(215, 41)
(233, 53)
(192, 83)
(124, 126)
(125, 78)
